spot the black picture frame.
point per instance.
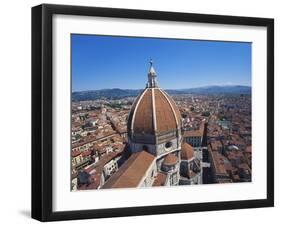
(42, 107)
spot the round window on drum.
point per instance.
(168, 145)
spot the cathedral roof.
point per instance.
(187, 152)
(170, 159)
(160, 179)
(131, 172)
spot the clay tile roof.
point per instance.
(186, 151)
(195, 133)
(160, 179)
(131, 172)
(86, 153)
(249, 149)
(170, 159)
(75, 153)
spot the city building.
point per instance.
(195, 137)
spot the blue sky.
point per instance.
(100, 62)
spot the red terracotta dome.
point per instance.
(187, 152)
(154, 111)
(170, 159)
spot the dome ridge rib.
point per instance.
(154, 110)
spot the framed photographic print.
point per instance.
(145, 112)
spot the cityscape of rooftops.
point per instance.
(151, 112)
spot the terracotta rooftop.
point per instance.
(218, 161)
(91, 139)
(95, 171)
(98, 167)
(186, 151)
(195, 133)
(86, 153)
(216, 145)
(170, 159)
(244, 166)
(75, 153)
(248, 149)
(160, 179)
(131, 172)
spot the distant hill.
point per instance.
(104, 93)
(237, 89)
(121, 93)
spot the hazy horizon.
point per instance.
(73, 91)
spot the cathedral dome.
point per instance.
(154, 112)
(187, 152)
